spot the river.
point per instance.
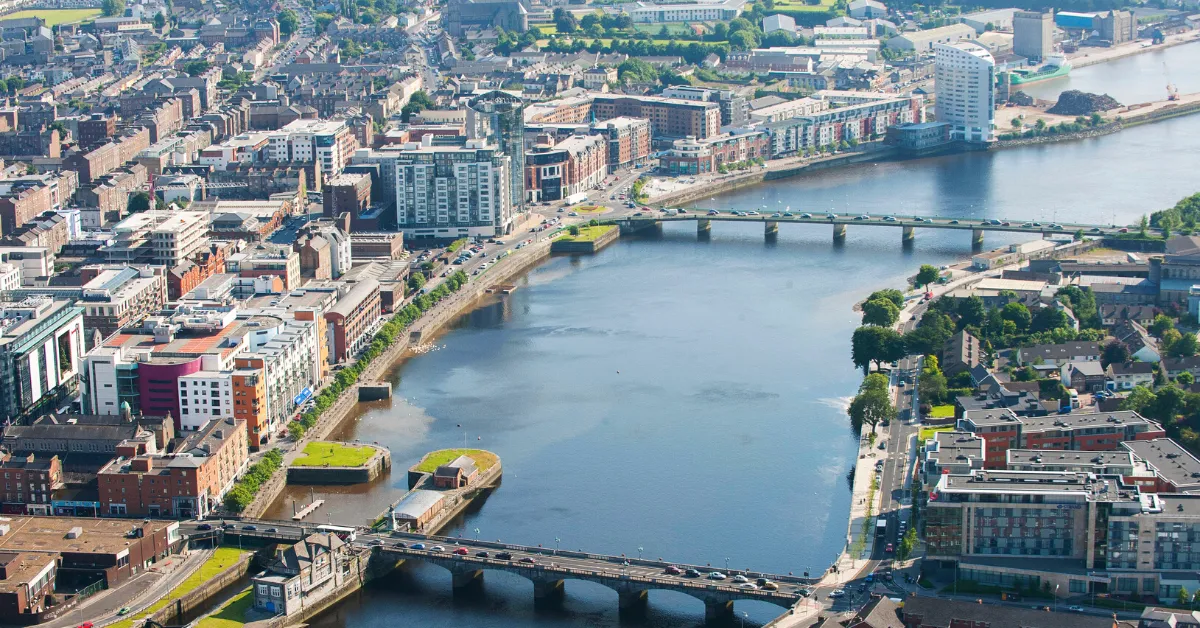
(686, 397)
(1143, 77)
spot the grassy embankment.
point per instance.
(221, 559)
(320, 454)
(586, 234)
(483, 460)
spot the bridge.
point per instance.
(547, 568)
(653, 219)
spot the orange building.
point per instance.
(250, 399)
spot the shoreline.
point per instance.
(1131, 49)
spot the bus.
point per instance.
(342, 532)
(880, 527)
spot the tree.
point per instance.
(873, 403)
(882, 312)
(932, 384)
(15, 84)
(1161, 324)
(891, 294)
(1169, 338)
(590, 20)
(1016, 123)
(1096, 119)
(139, 202)
(197, 67)
(160, 21)
(289, 22)
(415, 282)
(743, 40)
(1185, 380)
(931, 334)
(1114, 353)
(1040, 125)
(1184, 598)
(1140, 400)
(573, 230)
(564, 21)
(1185, 347)
(112, 8)
(875, 344)
(1018, 314)
(971, 311)
(907, 543)
(926, 275)
(1047, 319)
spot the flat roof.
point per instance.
(1117, 418)
(417, 503)
(953, 446)
(1072, 457)
(192, 344)
(98, 536)
(1061, 482)
(1168, 459)
(23, 568)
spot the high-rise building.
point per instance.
(1033, 34)
(499, 118)
(965, 75)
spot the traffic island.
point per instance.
(325, 462)
(587, 239)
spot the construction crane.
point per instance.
(1172, 91)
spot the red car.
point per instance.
(462, 551)
(674, 571)
(889, 549)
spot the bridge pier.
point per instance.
(771, 229)
(839, 232)
(548, 591)
(633, 602)
(718, 612)
(908, 234)
(703, 226)
(462, 579)
(977, 237)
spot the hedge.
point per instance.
(347, 377)
(245, 489)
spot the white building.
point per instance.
(965, 74)
(328, 143)
(923, 41)
(291, 362)
(773, 23)
(246, 148)
(203, 396)
(867, 9)
(177, 238)
(721, 10)
(10, 276)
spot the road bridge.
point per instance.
(547, 568)
(650, 219)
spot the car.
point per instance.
(890, 218)
(716, 575)
(802, 592)
(882, 445)
(682, 211)
(1055, 226)
(573, 214)
(673, 570)
(638, 214)
(860, 217)
(418, 546)
(481, 555)
(124, 610)
(1075, 609)
(830, 216)
(692, 573)
(1096, 229)
(438, 548)
(993, 222)
(870, 577)
(504, 556)
(227, 526)
(713, 212)
(749, 585)
(836, 593)
(769, 586)
(739, 578)
(889, 549)
(376, 542)
(528, 560)
(788, 214)
(204, 527)
(460, 551)
(250, 527)
(271, 530)
(776, 215)
(1027, 225)
(751, 213)
(561, 210)
(400, 545)
(954, 222)
(1124, 230)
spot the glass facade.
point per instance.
(1023, 532)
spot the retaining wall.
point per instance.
(373, 468)
(203, 595)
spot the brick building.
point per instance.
(347, 193)
(96, 129)
(29, 483)
(670, 118)
(353, 318)
(1004, 430)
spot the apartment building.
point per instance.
(965, 76)
(628, 141)
(329, 144)
(555, 171)
(264, 259)
(41, 352)
(698, 156)
(116, 297)
(273, 375)
(187, 484)
(1105, 431)
(354, 319)
(853, 118)
(29, 483)
(670, 118)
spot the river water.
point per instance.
(686, 397)
(1143, 77)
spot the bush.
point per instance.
(245, 489)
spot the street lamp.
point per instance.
(639, 552)
(743, 618)
(477, 534)
(556, 542)
(727, 564)
(1056, 598)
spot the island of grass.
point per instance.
(483, 458)
(590, 209)
(586, 239)
(54, 17)
(324, 462)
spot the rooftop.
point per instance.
(95, 536)
(1077, 458)
(1169, 460)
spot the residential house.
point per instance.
(1059, 354)
(961, 353)
(1126, 375)
(1140, 343)
(318, 562)
(1115, 313)
(1173, 367)
(1083, 376)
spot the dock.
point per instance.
(308, 510)
(504, 288)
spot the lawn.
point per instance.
(942, 412)
(221, 559)
(333, 455)
(800, 5)
(590, 209)
(928, 432)
(232, 614)
(586, 234)
(54, 17)
(483, 459)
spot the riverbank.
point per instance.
(1094, 56)
(1118, 119)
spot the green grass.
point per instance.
(54, 17)
(483, 460)
(334, 455)
(589, 209)
(800, 5)
(232, 614)
(221, 560)
(942, 412)
(928, 432)
(586, 234)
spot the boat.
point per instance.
(1054, 67)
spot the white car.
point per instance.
(837, 593)
(740, 579)
(716, 575)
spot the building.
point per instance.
(734, 107)
(107, 550)
(1033, 34)
(556, 171)
(990, 20)
(41, 352)
(952, 452)
(773, 23)
(89, 435)
(354, 319)
(416, 509)
(457, 473)
(1004, 430)
(965, 76)
(450, 191)
(498, 118)
(930, 612)
(317, 564)
(1173, 468)
(1128, 375)
(158, 236)
(187, 484)
(346, 193)
(267, 260)
(961, 353)
(1060, 354)
(599, 78)
(859, 117)
(33, 482)
(628, 141)
(1083, 377)
(1116, 27)
(711, 10)
(26, 583)
(927, 40)
(670, 118)
(329, 144)
(867, 9)
(695, 156)
(464, 15)
(1111, 463)
(121, 296)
